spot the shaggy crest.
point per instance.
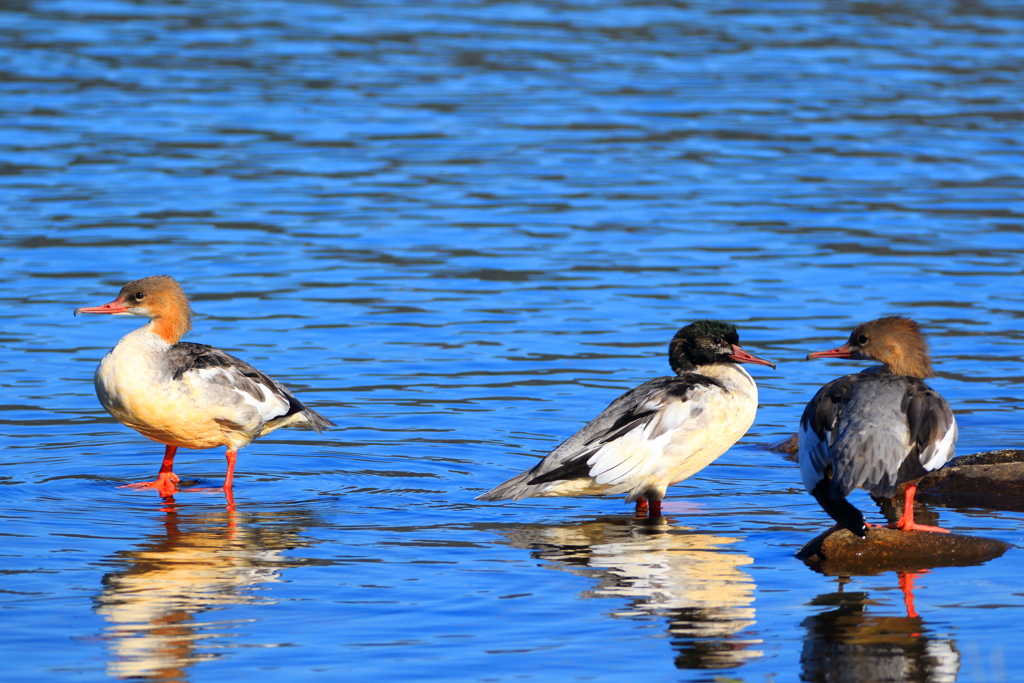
(701, 343)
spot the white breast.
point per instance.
(725, 417)
(136, 385)
(692, 433)
(129, 376)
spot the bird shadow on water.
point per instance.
(194, 563)
(657, 569)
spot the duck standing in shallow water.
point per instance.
(657, 434)
(186, 395)
(876, 429)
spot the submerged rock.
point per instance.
(787, 446)
(837, 552)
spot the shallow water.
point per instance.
(459, 230)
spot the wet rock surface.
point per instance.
(993, 480)
(837, 552)
(787, 446)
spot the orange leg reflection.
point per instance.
(907, 586)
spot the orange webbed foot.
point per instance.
(906, 522)
(914, 526)
(166, 483)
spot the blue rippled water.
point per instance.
(460, 229)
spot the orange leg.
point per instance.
(906, 522)
(648, 508)
(166, 482)
(229, 479)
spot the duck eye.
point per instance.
(717, 341)
(139, 296)
(862, 339)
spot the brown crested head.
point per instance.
(159, 298)
(893, 340)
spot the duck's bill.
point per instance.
(115, 307)
(741, 356)
(840, 352)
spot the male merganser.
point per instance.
(186, 395)
(876, 429)
(657, 434)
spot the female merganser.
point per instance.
(876, 429)
(186, 395)
(657, 434)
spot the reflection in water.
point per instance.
(196, 564)
(662, 571)
(848, 643)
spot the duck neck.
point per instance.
(732, 375)
(681, 366)
(170, 328)
(909, 366)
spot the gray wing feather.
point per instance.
(933, 430)
(262, 398)
(580, 456)
(874, 431)
(819, 427)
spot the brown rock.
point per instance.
(837, 552)
(1002, 456)
(788, 446)
(993, 480)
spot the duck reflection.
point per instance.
(850, 643)
(154, 600)
(663, 571)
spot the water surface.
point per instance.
(459, 230)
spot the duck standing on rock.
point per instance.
(186, 395)
(878, 428)
(657, 434)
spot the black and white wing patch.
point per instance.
(246, 396)
(819, 429)
(933, 429)
(641, 421)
